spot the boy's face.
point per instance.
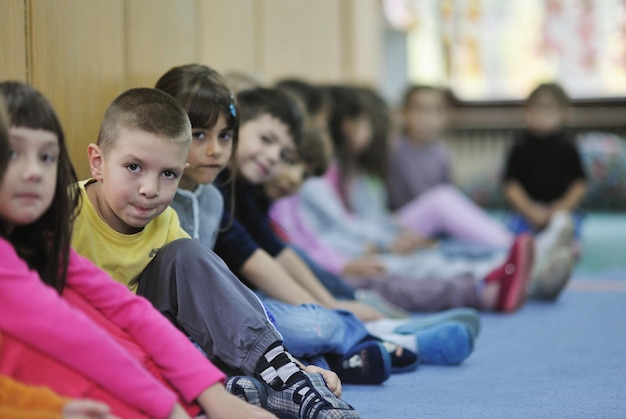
(286, 182)
(544, 115)
(209, 154)
(264, 142)
(425, 115)
(29, 183)
(137, 178)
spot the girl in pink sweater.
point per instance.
(65, 323)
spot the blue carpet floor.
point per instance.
(565, 359)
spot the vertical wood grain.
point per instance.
(78, 63)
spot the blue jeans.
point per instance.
(518, 224)
(310, 330)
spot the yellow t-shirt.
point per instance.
(123, 256)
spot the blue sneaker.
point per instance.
(446, 344)
(468, 316)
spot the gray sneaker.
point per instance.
(552, 276)
(249, 389)
(308, 397)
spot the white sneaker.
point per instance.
(554, 258)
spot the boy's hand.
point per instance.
(218, 403)
(361, 310)
(539, 216)
(332, 380)
(87, 409)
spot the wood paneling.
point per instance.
(228, 34)
(301, 38)
(78, 63)
(81, 54)
(160, 34)
(364, 49)
(13, 47)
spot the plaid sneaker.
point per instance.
(247, 388)
(306, 396)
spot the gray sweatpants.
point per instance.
(193, 287)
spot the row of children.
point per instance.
(257, 147)
(125, 353)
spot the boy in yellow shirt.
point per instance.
(127, 228)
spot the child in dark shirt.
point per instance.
(544, 179)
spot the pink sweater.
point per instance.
(34, 314)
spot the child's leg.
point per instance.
(427, 294)
(194, 288)
(309, 330)
(444, 209)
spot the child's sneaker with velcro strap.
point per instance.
(306, 396)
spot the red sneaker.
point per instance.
(514, 274)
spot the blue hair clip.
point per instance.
(233, 110)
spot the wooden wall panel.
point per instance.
(228, 35)
(160, 34)
(301, 38)
(362, 34)
(78, 63)
(13, 47)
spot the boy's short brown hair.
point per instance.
(553, 90)
(145, 109)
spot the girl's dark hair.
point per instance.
(4, 139)
(374, 159)
(311, 96)
(45, 243)
(203, 93)
(347, 102)
(280, 105)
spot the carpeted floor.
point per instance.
(548, 360)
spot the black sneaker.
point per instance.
(249, 389)
(306, 396)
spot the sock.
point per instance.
(406, 341)
(447, 344)
(383, 326)
(276, 367)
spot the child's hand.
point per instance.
(361, 310)
(87, 409)
(408, 242)
(539, 216)
(218, 403)
(363, 267)
(332, 380)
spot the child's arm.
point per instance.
(536, 214)
(217, 403)
(303, 275)
(34, 314)
(571, 198)
(272, 279)
(180, 362)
